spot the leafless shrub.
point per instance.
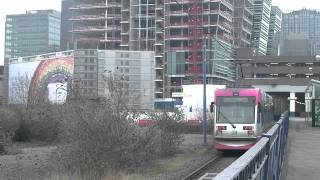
(35, 116)
(100, 136)
(9, 123)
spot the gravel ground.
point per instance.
(30, 163)
(35, 161)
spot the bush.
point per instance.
(38, 122)
(99, 136)
(43, 122)
(22, 134)
(9, 123)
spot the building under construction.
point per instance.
(136, 25)
(243, 23)
(176, 30)
(189, 25)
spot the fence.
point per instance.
(264, 160)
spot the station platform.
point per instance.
(303, 151)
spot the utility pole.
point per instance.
(204, 70)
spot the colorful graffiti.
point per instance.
(50, 79)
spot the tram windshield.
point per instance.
(235, 110)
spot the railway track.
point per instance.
(212, 167)
(201, 170)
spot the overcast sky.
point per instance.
(20, 6)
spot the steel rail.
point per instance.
(202, 168)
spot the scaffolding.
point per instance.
(188, 24)
(96, 24)
(196, 41)
(122, 24)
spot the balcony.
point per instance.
(114, 4)
(89, 6)
(90, 29)
(111, 40)
(224, 2)
(88, 18)
(113, 16)
(177, 24)
(225, 14)
(177, 37)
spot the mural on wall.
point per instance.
(47, 79)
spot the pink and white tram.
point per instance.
(241, 116)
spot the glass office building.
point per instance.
(32, 33)
(274, 31)
(303, 25)
(261, 22)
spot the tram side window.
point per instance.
(260, 112)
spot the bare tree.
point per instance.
(18, 89)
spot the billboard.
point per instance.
(45, 79)
(192, 99)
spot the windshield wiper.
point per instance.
(227, 119)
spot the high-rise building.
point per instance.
(274, 31)
(35, 32)
(188, 23)
(2, 85)
(66, 26)
(136, 25)
(96, 24)
(169, 28)
(303, 26)
(243, 23)
(261, 21)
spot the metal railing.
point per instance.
(264, 160)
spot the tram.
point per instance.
(241, 116)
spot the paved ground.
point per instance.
(303, 151)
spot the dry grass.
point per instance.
(110, 176)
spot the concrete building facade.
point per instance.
(302, 25)
(274, 31)
(35, 32)
(284, 77)
(261, 22)
(135, 69)
(136, 25)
